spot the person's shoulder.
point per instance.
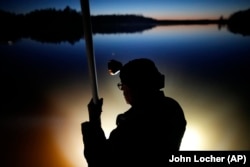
(170, 100)
(172, 104)
(123, 117)
(175, 111)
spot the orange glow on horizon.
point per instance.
(186, 18)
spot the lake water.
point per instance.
(46, 88)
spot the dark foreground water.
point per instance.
(45, 89)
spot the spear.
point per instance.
(87, 29)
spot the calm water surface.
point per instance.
(46, 89)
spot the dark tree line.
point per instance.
(51, 25)
(43, 25)
(62, 25)
(239, 22)
(121, 23)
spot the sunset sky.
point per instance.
(159, 9)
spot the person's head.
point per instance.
(140, 77)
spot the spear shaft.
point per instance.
(87, 29)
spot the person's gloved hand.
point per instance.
(95, 110)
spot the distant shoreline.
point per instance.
(51, 25)
(189, 22)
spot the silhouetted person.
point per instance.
(152, 127)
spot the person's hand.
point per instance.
(95, 110)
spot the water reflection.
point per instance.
(45, 88)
